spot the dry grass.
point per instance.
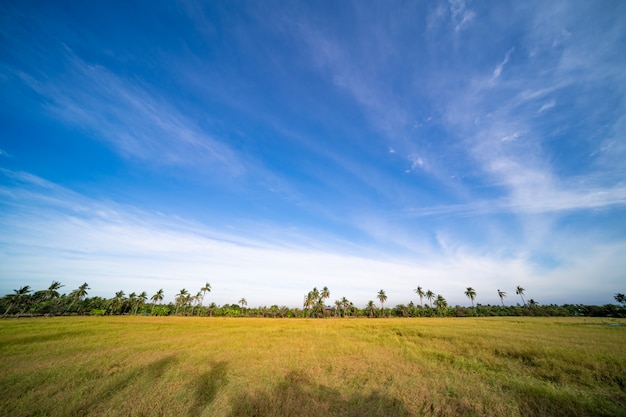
(173, 366)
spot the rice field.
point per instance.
(189, 366)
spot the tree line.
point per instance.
(51, 302)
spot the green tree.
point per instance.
(141, 300)
(620, 298)
(52, 291)
(17, 299)
(471, 294)
(420, 292)
(382, 297)
(345, 304)
(440, 303)
(157, 298)
(181, 299)
(117, 302)
(501, 294)
(204, 290)
(430, 296)
(370, 308)
(78, 294)
(243, 303)
(520, 291)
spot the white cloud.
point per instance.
(547, 106)
(498, 70)
(461, 15)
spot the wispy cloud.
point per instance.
(498, 70)
(135, 121)
(462, 16)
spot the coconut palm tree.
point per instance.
(78, 294)
(345, 304)
(430, 296)
(440, 303)
(157, 298)
(520, 291)
(471, 294)
(52, 292)
(181, 299)
(243, 303)
(382, 297)
(117, 302)
(501, 294)
(420, 292)
(204, 290)
(17, 298)
(141, 300)
(370, 308)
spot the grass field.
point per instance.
(179, 366)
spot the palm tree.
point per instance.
(620, 298)
(243, 303)
(471, 294)
(78, 294)
(345, 304)
(132, 302)
(156, 298)
(441, 303)
(338, 308)
(17, 298)
(204, 290)
(420, 292)
(501, 294)
(370, 308)
(52, 292)
(382, 297)
(181, 299)
(117, 301)
(430, 296)
(324, 294)
(141, 300)
(520, 291)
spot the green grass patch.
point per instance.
(177, 366)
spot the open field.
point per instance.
(177, 366)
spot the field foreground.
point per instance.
(178, 366)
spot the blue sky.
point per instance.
(270, 147)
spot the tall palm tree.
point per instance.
(338, 308)
(501, 294)
(370, 308)
(132, 302)
(324, 294)
(382, 297)
(430, 296)
(520, 291)
(117, 302)
(441, 303)
(420, 292)
(345, 304)
(78, 294)
(471, 294)
(157, 298)
(204, 290)
(17, 298)
(181, 299)
(141, 300)
(243, 303)
(52, 292)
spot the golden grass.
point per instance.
(177, 366)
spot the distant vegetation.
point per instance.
(51, 302)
